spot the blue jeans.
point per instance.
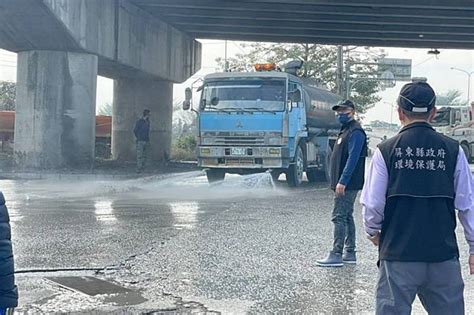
(343, 219)
(3, 311)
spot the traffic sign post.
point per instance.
(400, 68)
(389, 71)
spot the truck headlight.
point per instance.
(207, 141)
(205, 151)
(274, 141)
(275, 151)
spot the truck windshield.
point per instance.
(249, 94)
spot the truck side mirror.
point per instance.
(295, 96)
(188, 95)
(186, 105)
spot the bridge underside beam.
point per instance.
(397, 23)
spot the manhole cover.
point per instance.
(89, 285)
(93, 286)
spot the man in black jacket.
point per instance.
(8, 289)
(347, 178)
(142, 136)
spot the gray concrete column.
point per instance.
(131, 97)
(55, 109)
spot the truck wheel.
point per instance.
(327, 165)
(214, 175)
(294, 175)
(467, 152)
(321, 175)
(315, 176)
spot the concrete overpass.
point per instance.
(62, 46)
(146, 45)
(398, 23)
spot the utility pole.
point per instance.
(340, 71)
(226, 64)
(469, 74)
(348, 80)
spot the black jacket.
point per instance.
(8, 289)
(340, 155)
(419, 217)
(142, 130)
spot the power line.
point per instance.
(238, 46)
(422, 62)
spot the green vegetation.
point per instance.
(7, 95)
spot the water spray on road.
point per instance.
(185, 186)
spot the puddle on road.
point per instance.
(187, 186)
(185, 213)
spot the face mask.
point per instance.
(343, 118)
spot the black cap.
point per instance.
(417, 97)
(146, 112)
(344, 103)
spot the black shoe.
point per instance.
(332, 260)
(349, 258)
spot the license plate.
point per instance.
(237, 151)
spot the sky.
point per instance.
(436, 68)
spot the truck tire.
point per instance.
(467, 152)
(327, 165)
(294, 175)
(324, 175)
(313, 175)
(215, 175)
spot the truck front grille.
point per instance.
(239, 162)
(237, 141)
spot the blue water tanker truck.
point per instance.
(267, 120)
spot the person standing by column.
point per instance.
(347, 178)
(8, 289)
(142, 136)
(415, 182)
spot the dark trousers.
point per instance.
(142, 151)
(439, 286)
(343, 219)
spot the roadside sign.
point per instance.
(387, 79)
(400, 68)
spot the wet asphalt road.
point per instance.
(235, 247)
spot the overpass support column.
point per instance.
(55, 109)
(131, 97)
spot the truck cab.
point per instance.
(456, 122)
(449, 117)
